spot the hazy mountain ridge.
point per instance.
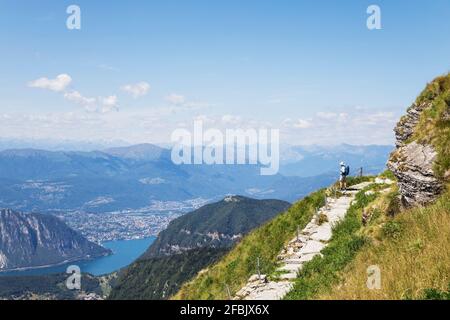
(214, 225)
(307, 161)
(131, 177)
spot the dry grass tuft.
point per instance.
(413, 255)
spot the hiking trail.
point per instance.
(301, 249)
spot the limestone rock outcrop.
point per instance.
(412, 164)
(405, 128)
(413, 161)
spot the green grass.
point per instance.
(435, 294)
(357, 180)
(434, 123)
(412, 251)
(392, 230)
(319, 275)
(264, 243)
(388, 174)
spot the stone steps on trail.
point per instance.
(301, 249)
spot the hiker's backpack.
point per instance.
(347, 170)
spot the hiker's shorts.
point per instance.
(343, 178)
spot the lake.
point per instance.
(124, 253)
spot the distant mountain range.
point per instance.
(132, 177)
(36, 240)
(307, 161)
(190, 243)
(58, 144)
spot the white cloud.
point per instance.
(109, 104)
(375, 119)
(58, 84)
(363, 126)
(207, 120)
(327, 115)
(137, 90)
(87, 126)
(178, 102)
(106, 67)
(297, 124)
(196, 105)
(156, 125)
(230, 119)
(175, 99)
(62, 81)
(100, 104)
(78, 98)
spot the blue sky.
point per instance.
(310, 68)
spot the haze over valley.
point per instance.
(133, 192)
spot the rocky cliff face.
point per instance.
(412, 164)
(34, 240)
(420, 161)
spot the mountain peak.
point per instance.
(233, 198)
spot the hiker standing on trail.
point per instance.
(344, 171)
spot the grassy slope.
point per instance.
(320, 273)
(238, 265)
(412, 251)
(434, 123)
(161, 277)
(265, 242)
